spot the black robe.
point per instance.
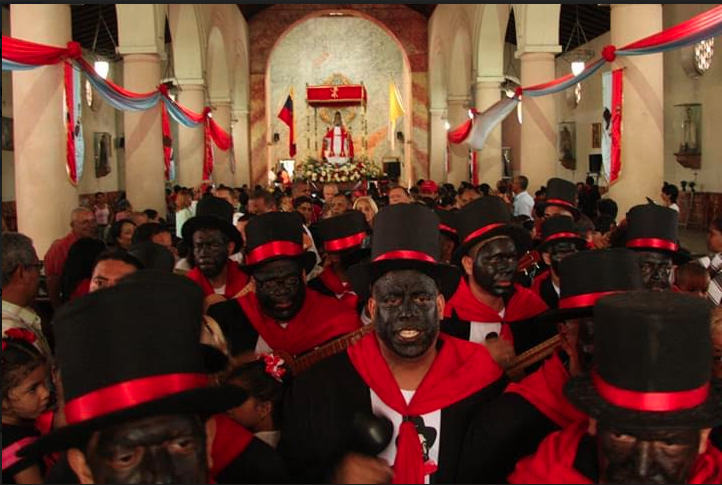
(319, 410)
(548, 293)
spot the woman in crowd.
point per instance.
(669, 196)
(121, 234)
(368, 207)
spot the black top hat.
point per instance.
(153, 256)
(560, 228)
(131, 351)
(276, 235)
(589, 275)
(212, 213)
(562, 193)
(483, 219)
(447, 223)
(652, 354)
(406, 236)
(344, 232)
(652, 227)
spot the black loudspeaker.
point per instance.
(595, 163)
(392, 169)
(276, 138)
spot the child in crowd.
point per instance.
(261, 412)
(692, 278)
(25, 395)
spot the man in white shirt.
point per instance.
(523, 201)
(20, 279)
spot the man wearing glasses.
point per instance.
(82, 224)
(20, 279)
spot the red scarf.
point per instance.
(538, 280)
(230, 441)
(544, 390)
(459, 370)
(524, 304)
(342, 290)
(554, 461)
(235, 280)
(320, 319)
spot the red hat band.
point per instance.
(653, 243)
(273, 249)
(344, 242)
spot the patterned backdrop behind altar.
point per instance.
(313, 51)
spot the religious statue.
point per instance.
(689, 130)
(337, 142)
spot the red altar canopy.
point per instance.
(336, 95)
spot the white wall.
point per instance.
(706, 90)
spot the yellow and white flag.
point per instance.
(396, 110)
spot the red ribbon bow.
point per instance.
(19, 334)
(609, 53)
(274, 366)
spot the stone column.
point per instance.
(539, 121)
(437, 150)
(458, 113)
(642, 172)
(43, 192)
(144, 170)
(241, 137)
(489, 168)
(221, 167)
(190, 140)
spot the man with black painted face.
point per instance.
(488, 308)
(652, 232)
(515, 423)
(559, 240)
(650, 399)
(213, 239)
(281, 313)
(426, 383)
(138, 404)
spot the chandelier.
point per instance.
(578, 58)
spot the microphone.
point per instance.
(371, 433)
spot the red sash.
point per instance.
(554, 461)
(544, 390)
(230, 441)
(320, 319)
(235, 280)
(331, 280)
(524, 304)
(459, 370)
(538, 280)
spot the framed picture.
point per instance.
(596, 135)
(566, 145)
(7, 136)
(102, 143)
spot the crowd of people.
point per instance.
(384, 334)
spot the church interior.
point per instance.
(242, 61)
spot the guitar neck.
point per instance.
(334, 347)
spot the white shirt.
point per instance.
(479, 330)
(430, 434)
(523, 204)
(674, 207)
(25, 318)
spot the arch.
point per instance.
(406, 91)
(489, 46)
(460, 58)
(217, 66)
(185, 31)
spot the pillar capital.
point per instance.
(127, 50)
(458, 100)
(220, 103)
(537, 49)
(489, 80)
(191, 84)
(238, 112)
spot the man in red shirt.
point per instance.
(82, 224)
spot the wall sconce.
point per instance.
(276, 138)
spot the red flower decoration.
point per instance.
(274, 366)
(20, 334)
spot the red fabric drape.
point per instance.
(460, 133)
(616, 149)
(69, 124)
(167, 140)
(25, 52)
(219, 136)
(701, 22)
